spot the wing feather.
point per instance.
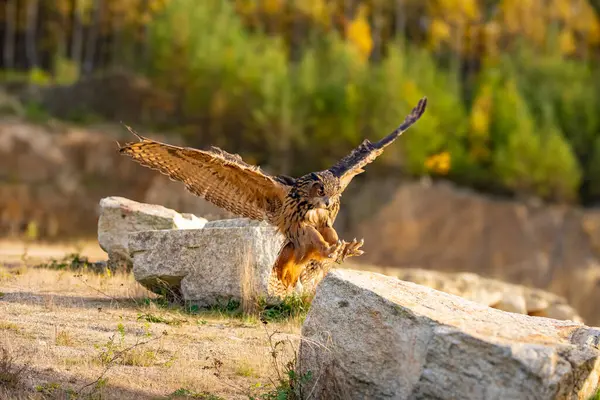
(222, 178)
(352, 165)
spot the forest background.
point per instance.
(293, 85)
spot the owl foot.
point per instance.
(334, 250)
(350, 249)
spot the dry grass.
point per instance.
(13, 251)
(106, 334)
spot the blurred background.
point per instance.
(500, 177)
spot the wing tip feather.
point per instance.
(137, 135)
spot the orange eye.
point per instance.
(321, 191)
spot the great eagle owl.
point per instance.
(303, 209)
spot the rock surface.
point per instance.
(207, 266)
(235, 223)
(120, 216)
(376, 337)
(490, 292)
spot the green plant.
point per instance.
(39, 77)
(290, 385)
(114, 351)
(11, 373)
(157, 319)
(186, 393)
(48, 388)
(292, 306)
(35, 112)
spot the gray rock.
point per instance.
(120, 216)
(512, 302)
(490, 292)
(235, 223)
(207, 266)
(368, 336)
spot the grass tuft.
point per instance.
(64, 338)
(11, 374)
(189, 394)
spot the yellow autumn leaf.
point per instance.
(480, 112)
(563, 9)
(567, 42)
(246, 7)
(439, 163)
(272, 6)
(480, 122)
(319, 10)
(470, 8)
(439, 31)
(358, 32)
(593, 35)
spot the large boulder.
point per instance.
(120, 216)
(372, 336)
(490, 292)
(208, 266)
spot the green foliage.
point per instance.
(35, 112)
(39, 77)
(72, 261)
(291, 307)
(288, 389)
(157, 319)
(531, 156)
(114, 351)
(190, 394)
(521, 117)
(66, 72)
(48, 388)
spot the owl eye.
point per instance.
(321, 191)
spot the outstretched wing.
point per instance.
(352, 165)
(222, 178)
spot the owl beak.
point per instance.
(327, 201)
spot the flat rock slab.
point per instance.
(120, 216)
(207, 266)
(492, 293)
(372, 336)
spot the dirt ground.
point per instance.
(59, 325)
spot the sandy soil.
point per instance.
(59, 324)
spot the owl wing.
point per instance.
(352, 165)
(222, 178)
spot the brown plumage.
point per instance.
(303, 209)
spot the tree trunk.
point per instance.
(77, 38)
(92, 39)
(116, 42)
(400, 20)
(30, 46)
(143, 48)
(9, 36)
(378, 21)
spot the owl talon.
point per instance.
(334, 250)
(350, 249)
